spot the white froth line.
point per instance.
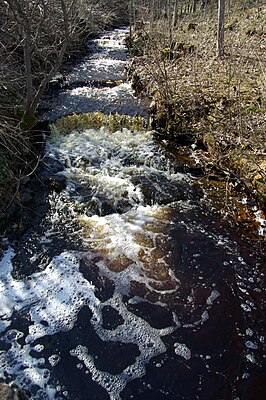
(138, 331)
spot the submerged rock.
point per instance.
(11, 392)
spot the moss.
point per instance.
(96, 120)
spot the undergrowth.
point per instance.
(15, 153)
(220, 101)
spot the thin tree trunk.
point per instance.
(32, 108)
(194, 6)
(175, 13)
(34, 103)
(220, 30)
(170, 20)
(130, 19)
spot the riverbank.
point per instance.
(215, 105)
(22, 141)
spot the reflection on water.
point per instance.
(138, 287)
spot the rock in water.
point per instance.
(11, 392)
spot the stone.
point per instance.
(11, 392)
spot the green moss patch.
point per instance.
(96, 120)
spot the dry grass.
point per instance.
(221, 101)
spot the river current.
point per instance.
(134, 285)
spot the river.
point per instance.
(132, 283)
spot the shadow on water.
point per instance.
(66, 103)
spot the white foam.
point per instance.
(213, 296)
(111, 94)
(260, 218)
(94, 69)
(133, 330)
(54, 359)
(133, 247)
(53, 296)
(50, 296)
(250, 357)
(39, 348)
(182, 350)
(55, 290)
(108, 162)
(249, 332)
(7, 287)
(128, 244)
(114, 40)
(245, 307)
(250, 345)
(28, 370)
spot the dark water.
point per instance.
(134, 285)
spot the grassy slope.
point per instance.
(221, 101)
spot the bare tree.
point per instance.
(175, 12)
(170, 22)
(220, 30)
(45, 30)
(35, 36)
(194, 6)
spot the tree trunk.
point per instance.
(130, 19)
(220, 30)
(33, 105)
(175, 13)
(170, 21)
(35, 100)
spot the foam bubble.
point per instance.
(17, 361)
(251, 345)
(6, 284)
(245, 307)
(134, 330)
(182, 350)
(49, 296)
(260, 218)
(54, 359)
(128, 242)
(213, 296)
(249, 332)
(251, 358)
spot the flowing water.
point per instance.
(133, 285)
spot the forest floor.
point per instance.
(213, 104)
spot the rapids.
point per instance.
(134, 285)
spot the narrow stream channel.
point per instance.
(133, 285)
